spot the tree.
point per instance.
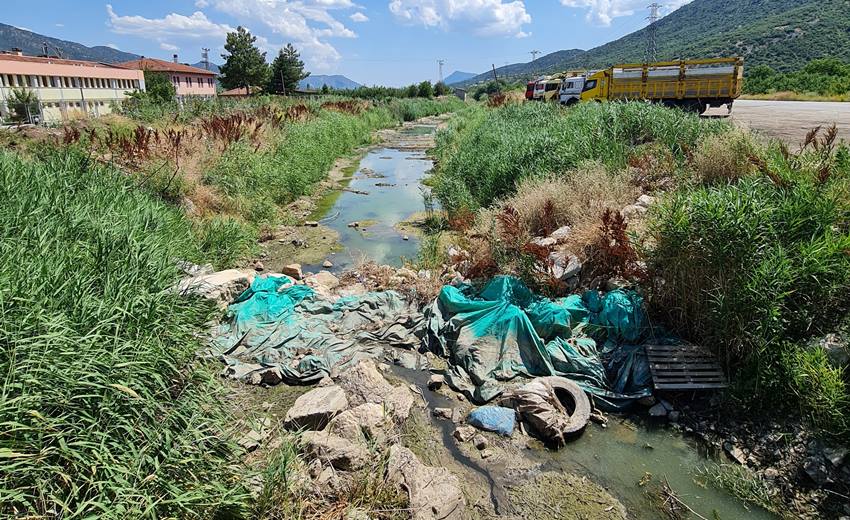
(441, 89)
(411, 91)
(244, 64)
(159, 87)
(23, 104)
(326, 89)
(288, 67)
(425, 89)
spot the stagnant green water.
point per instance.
(391, 182)
(618, 457)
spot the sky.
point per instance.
(373, 42)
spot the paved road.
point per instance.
(789, 120)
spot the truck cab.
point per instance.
(529, 90)
(595, 87)
(571, 88)
(547, 90)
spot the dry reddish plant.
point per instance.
(612, 254)
(496, 100)
(348, 106)
(233, 128)
(70, 135)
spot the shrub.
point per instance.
(724, 157)
(103, 413)
(224, 240)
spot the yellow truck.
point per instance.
(692, 85)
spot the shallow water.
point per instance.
(391, 179)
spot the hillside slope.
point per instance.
(784, 34)
(336, 81)
(31, 43)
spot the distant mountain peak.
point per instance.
(458, 76)
(32, 44)
(334, 81)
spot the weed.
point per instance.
(744, 485)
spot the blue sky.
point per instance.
(388, 42)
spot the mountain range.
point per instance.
(783, 34)
(33, 45)
(336, 82)
(458, 76)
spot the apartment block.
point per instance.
(65, 89)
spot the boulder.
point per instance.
(362, 424)
(340, 453)
(645, 201)
(322, 280)
(634, 211)
(293, 270)
(364, 384)
(561, 234)
(565, 265)
(442, 413)
(436, 382)
(544, 241)
(327, 264)
(434, 493)
(658, 410)
(221, 287)
(480, 442)
(316, 408)
(464, 433)
(267, 376)
(258, 266)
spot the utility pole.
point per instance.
(441, 63)
(495, 77)
(205, 57)
(652, 32)
(534, 55)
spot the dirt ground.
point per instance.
(788, 120)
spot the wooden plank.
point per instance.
(684, 367)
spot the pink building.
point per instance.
(187, 80)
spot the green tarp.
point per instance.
(504, 331)
(489, 337)
(275, 324)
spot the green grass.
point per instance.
(102, 413)
(484, 157)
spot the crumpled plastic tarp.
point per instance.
(505, 331)
(275, 324)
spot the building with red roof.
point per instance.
(188, 81)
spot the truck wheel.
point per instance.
(572, 101)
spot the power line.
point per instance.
(652, 32)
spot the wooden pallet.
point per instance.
(684, 367)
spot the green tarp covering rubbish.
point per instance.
(504, 331)
(493, 337)
(302, 336)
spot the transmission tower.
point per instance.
(534, 55)
(205, 57)
(441, 63)
(652, 32)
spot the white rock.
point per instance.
(464, 433)
(565, 265)
(634, 211)
(645, 201)
(331, 449)
(311, 223)
(434, 493)
(314, 409)
(322, 279)
(222, 286)
(327, 264)
(362, 424)
(544, 241)
(561, 234)
(364, 384)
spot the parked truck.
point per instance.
(692, 85)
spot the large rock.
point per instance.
(364, 384)
(435, 493)
(362, 424)
(565, 265)
(335, 451)
(316, 408)
(322, 280)
(221, 287)
(293, 270)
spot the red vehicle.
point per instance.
(529, 90)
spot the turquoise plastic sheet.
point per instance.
(275, 324)
(505, 331)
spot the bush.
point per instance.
(103, 414)
(225, 240)
(724, 157)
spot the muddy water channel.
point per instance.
(384, 190)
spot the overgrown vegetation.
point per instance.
(747, 252)
(102, 411)
(828, 77)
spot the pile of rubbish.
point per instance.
(493, 339)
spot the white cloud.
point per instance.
(173, 25)
(485, 17)
(359, 18)
(307, 23)
(168, 47)
(603, 12)
(60, 25)
(113, 46)
(200, 4)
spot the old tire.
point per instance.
(573, 398)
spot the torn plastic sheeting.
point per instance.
(306, 335)
(505, 332)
